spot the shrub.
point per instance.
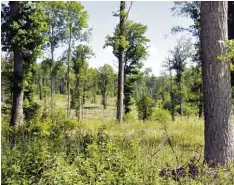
(187, 109)
(130, 117)
(145, 107)
(160, 115)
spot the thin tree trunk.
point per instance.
(68, 73)
(172, 97)
(18, 90)
(51, 74)
(121, 67)
(40, 88)
(219, 144)
(181, 98)
(105, 99)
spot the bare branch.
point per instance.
(131, 3)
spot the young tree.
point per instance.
(76, 20)
(167, 65)
(145, 107)
(180, 55)
(105, 81)
(192, 10)
(219, 141)
(55, 20)
(23, 24)
(80, 67)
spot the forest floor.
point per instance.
(102, 152)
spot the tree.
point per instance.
(180, 54)
(167, 65)
(23, 25)
(80, 67)
(121, 47)
(145, 107)
(134, 54)
(219, 143)
(192, 10)
(105, 81)
(76, 20)
(55, 20)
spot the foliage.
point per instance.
(80, 68)
(160, 115)
(145, 107)
(68, 152)
(136, 51)
(230, 52)
(130, 118)
(106, 78)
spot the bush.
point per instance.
(31, 110)
(166, 105)
(160, 115)
(130, 117)
(145, 107)
(187, 109)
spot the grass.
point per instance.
(98, 151)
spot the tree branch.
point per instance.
(131, 3)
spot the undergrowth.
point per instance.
(66, 152)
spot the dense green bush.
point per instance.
(188, 110)
(145, 107)
(160, 115)
(130, 117)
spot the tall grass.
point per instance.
(93, 152)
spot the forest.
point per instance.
(65, 122)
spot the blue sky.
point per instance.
(155, 14)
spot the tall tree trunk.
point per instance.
(68, 73)
(121, 66)
(18, 90)
(219, 144)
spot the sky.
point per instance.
(155, 14)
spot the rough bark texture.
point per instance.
(18, 92)
(219, 146)
(121, 67)
(200, 113)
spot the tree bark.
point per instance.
(18, 90)
(219, 145)
(40, 87)
(68, 72)
(51, 72)
(121, 67)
